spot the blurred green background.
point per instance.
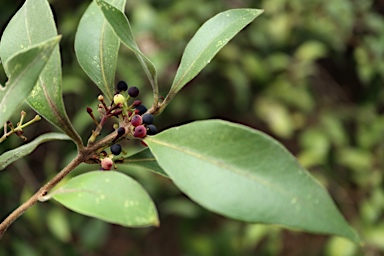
(309, 73)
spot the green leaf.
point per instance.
(208, 40)
(244, 174)
(146, 160)
(97, 46)
(12, 155)
(120, 25)
(24, 69)
(31, 25)
(110, 196)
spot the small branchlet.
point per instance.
(18, 130)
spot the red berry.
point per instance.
(140, 131)
(136, 120)
(106, 163)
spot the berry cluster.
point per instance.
(134, 121)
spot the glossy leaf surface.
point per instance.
(208, 40)
(12, 155)
(31, 25)
(97, 46)
(120, 24)
(146, 160)
(244, 174)
(23, 69)
(110, 196)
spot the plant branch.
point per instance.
(84, 156)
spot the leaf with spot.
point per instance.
(207, 42)
(24, 69)
(244, 174)
(110, 196)
(12, 155)
(146, 160)
(32, 24)
(97, 46)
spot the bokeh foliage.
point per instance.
(309, 73)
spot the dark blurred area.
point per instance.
(309, 73)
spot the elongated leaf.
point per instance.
(208, 40)
(12, 155)
(97, 46)
(146, 160)
(120, 25)
(244, 174)
(31, 25)
(110, 196)
(24, 69)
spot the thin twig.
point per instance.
(84, 155)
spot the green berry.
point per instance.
(118, 98)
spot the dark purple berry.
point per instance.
(121, 131)
(116, 149)
(151, 129)
(133, 91)
(140, 131)
(141, 109)
(121, 86)
(136, 120)
(147, 118)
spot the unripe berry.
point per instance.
(136, 120)
(151, 129)
(118, 98)
(147, 118)
(136, 103)
(106, 163)
(121, 86)
(133, 91)
(140, 131)
(116, 149)
(141, 109)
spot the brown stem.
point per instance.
(84, 155)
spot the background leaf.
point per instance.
(33, 24)
(12, 155)
(97, 46)
(120, 24)
(24, 69)
(110, 196)
(208, 40)
(146, 160)
(244, 174)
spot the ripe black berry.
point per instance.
(133, 91)
(116, 149)
(136, 120)
(141, 109)
(147, 118)
(140, 131)
(121, 86)
(120, 131)
(151, 129)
